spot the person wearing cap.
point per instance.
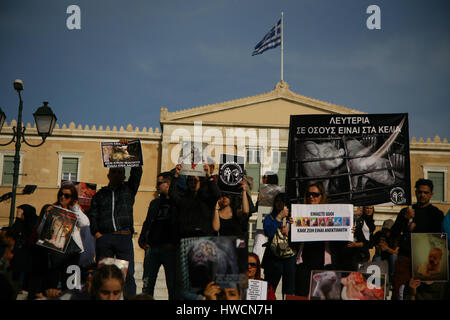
(386, 248)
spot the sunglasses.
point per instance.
(160, 183)
(252, 265)
(65, 195)
(314, 194)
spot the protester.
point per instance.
(426, 290)
(275, 267)
(111, 217)
(386, 248)
(159, 238)
(422, 217)
(228, 220)
(348, 255)
(8, 287)
(22, 228)
(196, 205)
(311, 255)
(267, 193)
(254, 273)
(67, 198)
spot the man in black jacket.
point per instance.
(111, 218)
(422, 217)
(159, 238)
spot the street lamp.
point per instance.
(45, 122)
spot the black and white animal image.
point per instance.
(327, 158)
(206, 260)
(364, 160)
(326, 286)
(227, 174)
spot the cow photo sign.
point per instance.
(362, 159)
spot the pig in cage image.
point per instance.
(362, 170)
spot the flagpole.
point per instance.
(282, 46)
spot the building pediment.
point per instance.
(272, 108)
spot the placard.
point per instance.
(193, 158)
(263, 211)
(322, 222)
(231, 173)
(361, 159)
(257, 290)
(429, 256)
(117, 154)
(56, 229)
(223, 260)
(347, 285)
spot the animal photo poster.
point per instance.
(193, 156)
(429, 256)
(219, 259)
(347, 285)
(322, 222)
(116, 154)
(85, 191)
(231, 173)
(361, 159)
(56, 229)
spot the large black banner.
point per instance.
(360, 159)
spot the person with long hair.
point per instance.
(311, 255)
(67, 198)
(277, 267)
(254, 273)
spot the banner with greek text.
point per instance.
(361, 159)
(322, 222)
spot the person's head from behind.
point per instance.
(67, 196)
(315, 194)
(270, 178)
(254, 266)
(116, 176)
(163, 182)
(107, 283)
(44, 210)
(424, 191)
(278, 203)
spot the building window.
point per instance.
(279, 159)
(253, 167)
(69, 164)
(70, 169)
(7, 167)
(439, 177)
(8, 170)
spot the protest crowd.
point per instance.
(101, 247)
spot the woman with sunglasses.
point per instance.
(67, 198)
(311, 255)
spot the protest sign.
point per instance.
(193, 158)
(56, 229)
(322, 222)
(85, 192)
(360, 159)
(223, 260)
(347, 285)
(257, 290)
(231, 173)
(429, 256)
(117, 154)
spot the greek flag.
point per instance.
(271, 40)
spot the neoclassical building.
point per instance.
(255, 127)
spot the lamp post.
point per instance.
(45, 122)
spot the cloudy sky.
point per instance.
(132, 57)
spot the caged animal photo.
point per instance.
(361, 169)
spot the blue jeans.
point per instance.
(278, 268)
(121, 247)
(155, 256)
(392, 259)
